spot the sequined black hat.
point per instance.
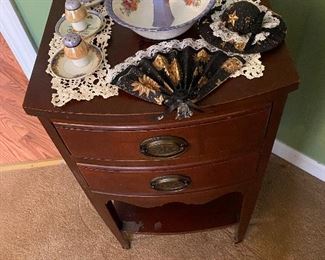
(243, 27)
(243, 17)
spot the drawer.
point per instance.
(149, 182)
(218, 139)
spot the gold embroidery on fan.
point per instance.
(172, 70)
(202, 56)
(159, 100)
(145, 85)
(231, 65)
(204, 80)
(175, 72)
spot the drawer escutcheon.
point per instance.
(163, 146)
(170, 183)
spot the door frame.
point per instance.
(13, 30)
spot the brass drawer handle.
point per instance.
(163, 146)
(170, 183)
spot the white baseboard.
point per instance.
(300, 160)
(15, 35)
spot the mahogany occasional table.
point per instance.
(144, 175)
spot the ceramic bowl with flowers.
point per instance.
(158, 19)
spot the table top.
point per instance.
(279, 76)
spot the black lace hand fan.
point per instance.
(178, 79)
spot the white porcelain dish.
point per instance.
(94, 22)
(158, 19)
(64, 68)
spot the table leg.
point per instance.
(107, 211)
(247, 208)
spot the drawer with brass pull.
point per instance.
(170, 183)
(211, 140)
(163, 146)
(149, 182)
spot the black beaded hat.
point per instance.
(243, 27)
(243, 17)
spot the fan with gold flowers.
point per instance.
(178, 79)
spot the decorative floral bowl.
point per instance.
(158, 19)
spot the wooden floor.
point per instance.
(22, 138)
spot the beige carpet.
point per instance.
(45, 215)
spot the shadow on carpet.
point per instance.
(45, 215)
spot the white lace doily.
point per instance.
(252, 69)
(99, 84)
(90, 86)
(221, 31)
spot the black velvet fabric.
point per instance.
(199, 76)
(276, 37)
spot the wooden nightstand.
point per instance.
(213, 163)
